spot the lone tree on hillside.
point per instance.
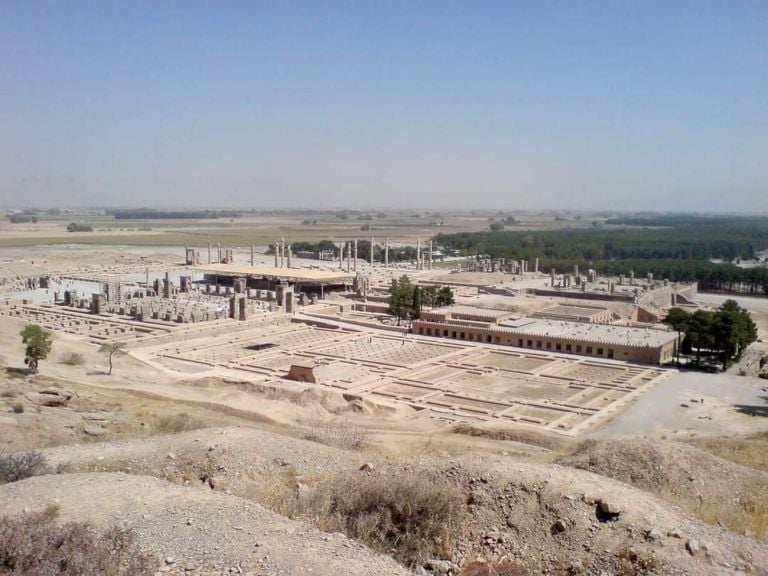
(112, 349)
(38, 342)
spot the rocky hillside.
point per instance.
(200, 497)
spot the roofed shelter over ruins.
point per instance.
(267, 277)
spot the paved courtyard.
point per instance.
(453, 381)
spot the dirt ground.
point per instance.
(216, 472)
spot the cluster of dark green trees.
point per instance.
(406, 299)
(22, 218)
(75, 227)
(321, 246)
(722, 334)
(679, 248)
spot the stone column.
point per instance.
(341, 256)
(209, 252)
(282, 252)
(386, 252)
(418, 253)
(349, 256)
(290, 253)
(429, 263)
(371, 252)
(277, 254)
(575, 269)
(252, 261)
(355, 255)
(536, 266)
(242, 308)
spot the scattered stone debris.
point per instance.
(94, 430)
(693, 547)
(608, 510)
(51, 397)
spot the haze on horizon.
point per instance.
(446, 105)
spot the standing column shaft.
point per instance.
(349, 255)
(371, 258)
(355, 255)
(209, 252)
(418, 253)
(277, 254)
(252, 255)
(386, 252)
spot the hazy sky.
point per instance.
(619, 105)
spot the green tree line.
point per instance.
(723, 333)
(682, 250)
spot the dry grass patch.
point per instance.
(713, 489)
(513, 435)
(410, 517)
(502, 568)
(751, 451)
(36, 544)
(72, 359)
(748, 516)
(174, 423)
(340, 433)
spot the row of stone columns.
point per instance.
(421, 264)
(282, 253)
(348, 252)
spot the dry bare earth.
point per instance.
(715, 489)
(205, 531)
(544, 515)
